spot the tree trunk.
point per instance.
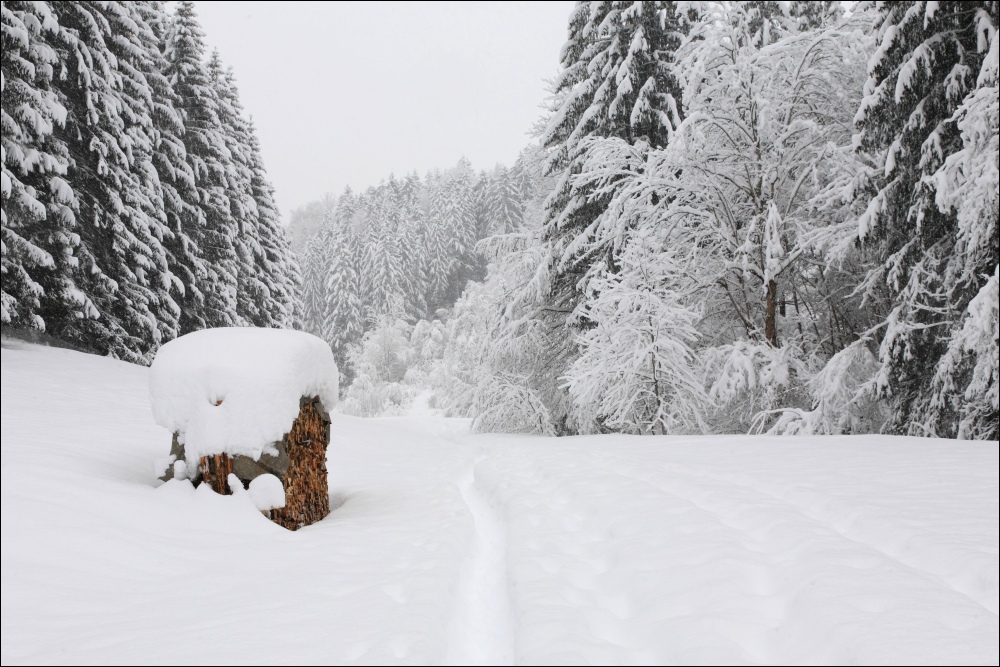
(770, 315)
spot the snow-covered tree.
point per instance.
(275, 264)
(384, 278)
(211, 225)
(312, 295)
(252, 294)
(38, 236)
(768, 109)
(380, 361)
(503, 203)
(637, 371)
(135, 204)
(109, 132)
(177, 179)
(929, 116)
(343, 321)
(617, 80)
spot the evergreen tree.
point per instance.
(313, 287)
(38, 236)
(275, 264)
(211, 224)
(460, 227)
(252, 293)
(932, 264)
(177, 180)
(412, 229)
(384, 277)
(123, 268)
(343, 324)
(617, 81)
(505, 207)
(437, 245)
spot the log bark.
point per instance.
(215, 471)
(307, 497)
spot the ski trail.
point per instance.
(482, 629)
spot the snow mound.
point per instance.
(267, 492)
(236, 390)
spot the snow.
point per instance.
(447, 547)
(266, 491)
(237, 390)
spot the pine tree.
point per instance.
(177, 179)
(123, 269)
(931, 268)
(252, 293)
(212, 225)
(505, 206)
(384, 276)
(617, 81)
(343, 324)
(38, 238)
(275, 264)
(312, 291)
(437, 244)
(412, 230)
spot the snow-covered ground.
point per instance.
(450, 547)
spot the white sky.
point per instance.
(345, 93)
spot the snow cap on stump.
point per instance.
(236, 390)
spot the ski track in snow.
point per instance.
(482, 629)
(447, 547)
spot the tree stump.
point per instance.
(215, 471)
(307, 498)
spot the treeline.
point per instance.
(763, 216)
(136, 206)
(404, 250)
(740, 216)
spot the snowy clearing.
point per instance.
(449, 547)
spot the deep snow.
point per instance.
(450, 547)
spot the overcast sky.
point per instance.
(346, 93)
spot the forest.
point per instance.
(763, 217)
(136, 205)
(737, 217)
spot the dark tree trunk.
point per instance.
(770, 315)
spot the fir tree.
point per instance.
(123, 268)
(211, 224)
(384, 276)
(38, 237)
(177, 180)
(412, 229)
(252, 293)
(617, 81)
(275, 264)
(931, 267)
(343, 324)
(505, 206)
